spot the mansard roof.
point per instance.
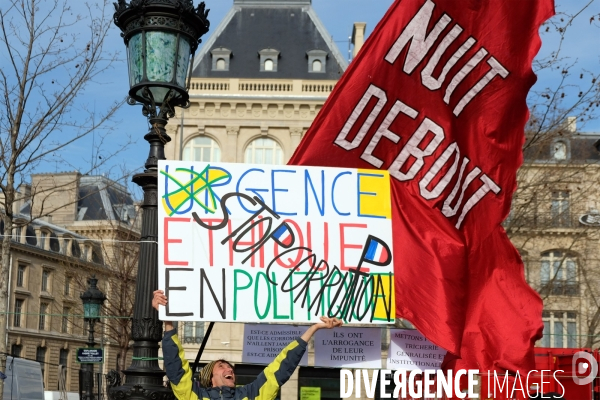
(578, 148)
(103, 199)
(288, 26)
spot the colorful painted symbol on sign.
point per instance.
(197, 189)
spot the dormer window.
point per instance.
(560, 150)
(268, 60)
(43, 237)
(220, 59)
(75, 249)
(317, 66)
(54, 243)
(30, 237)
(96, 255)
(316, 61)
(269, 64)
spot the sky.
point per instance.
(338, 16)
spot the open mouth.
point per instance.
(228, 376)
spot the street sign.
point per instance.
(87, 356)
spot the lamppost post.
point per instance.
(92, 300)
(160, 36)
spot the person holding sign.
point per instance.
(217, 378)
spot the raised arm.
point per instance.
(177, 366)
(159, 299)
(268, 382)
(326, 323)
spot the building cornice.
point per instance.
(56, 257)
(53, 335)
(256, 97)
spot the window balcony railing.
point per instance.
(560, 288)
(539, 220)
(193, 339)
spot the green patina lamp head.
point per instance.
(92, 299)
(160, 36)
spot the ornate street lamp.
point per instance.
(161, 36)
(92, 300)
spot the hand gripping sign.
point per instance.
(261, 243)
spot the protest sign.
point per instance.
(262, 343)
(264, 243)
(348, 348)
(409, 349)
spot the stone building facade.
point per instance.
(255, 92)
(51, 259)
(554, 223)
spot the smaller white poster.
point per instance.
(409, 349)
(262, 342)
(348, 348)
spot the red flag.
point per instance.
(437, 97)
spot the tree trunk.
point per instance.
(4, 275)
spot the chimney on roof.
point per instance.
(358, 36)
(571, 124)
(22, 196)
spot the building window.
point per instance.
(15, 350)
(40, 356)
(64, 328)
(96, 255)
(560, 209)
(264, 151)
(220, 59)
(558, 274)
(43, 236)
(45, 280)
(75, 249)
(560, 329)
(17, 233)
(317, 61)
(54, 243)
(18, 310)
(316, 66)
(559, 150)
(268, 60)
(63, 357)
(325, 378)
(68, 280)
(43, 312)
(193, 332)
(202, 148)
(30, 237)
(21, 269)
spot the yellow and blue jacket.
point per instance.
(265, 387)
